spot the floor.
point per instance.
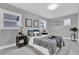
(27, 50)
(71, 48)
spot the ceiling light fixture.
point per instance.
(52, 6)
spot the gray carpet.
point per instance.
(17, 51)
(71, 48)
(27, 50)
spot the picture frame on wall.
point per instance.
(28, 22)
(35, 23)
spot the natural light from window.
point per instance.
(67, 22)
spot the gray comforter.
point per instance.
(51, 45)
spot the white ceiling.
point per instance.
(41, 9)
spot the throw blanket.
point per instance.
(58, 39)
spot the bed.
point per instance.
(47, 44)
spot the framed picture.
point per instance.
(35, 23)
(28, 22)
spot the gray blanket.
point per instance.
(51, 45)
(58, 39)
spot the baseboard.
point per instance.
(66, 38)
(7, 46)
(69, 38)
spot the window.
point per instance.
(43, 24)
(67, 22)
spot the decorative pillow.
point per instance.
(31, 33)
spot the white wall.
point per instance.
(61, 30)
(78, 24)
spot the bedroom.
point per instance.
(39, 21)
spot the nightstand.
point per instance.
(21, 41)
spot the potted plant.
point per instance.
(74, 30)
